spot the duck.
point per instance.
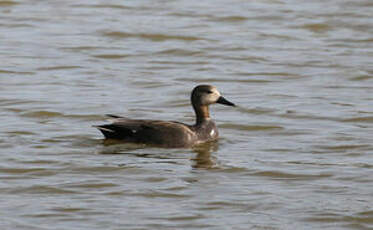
(170, 134)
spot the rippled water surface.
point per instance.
(295, 154)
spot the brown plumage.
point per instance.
(170, 134)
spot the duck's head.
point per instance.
(207, 95)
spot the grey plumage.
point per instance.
(169, 133)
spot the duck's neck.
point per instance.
(202, 113)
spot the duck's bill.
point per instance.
(224, 101)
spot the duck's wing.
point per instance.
(145, 131)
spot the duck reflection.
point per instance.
(204, 159)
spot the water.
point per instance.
(295, 154)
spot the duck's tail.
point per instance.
(113, 116)
(106, 131)
(112, 131)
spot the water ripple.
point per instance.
(294, 154)
(283, 175)
(149, 36)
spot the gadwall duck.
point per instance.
(171, 134)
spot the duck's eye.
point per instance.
(209, 91)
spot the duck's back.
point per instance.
(154, 132)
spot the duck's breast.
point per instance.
(206, 131)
